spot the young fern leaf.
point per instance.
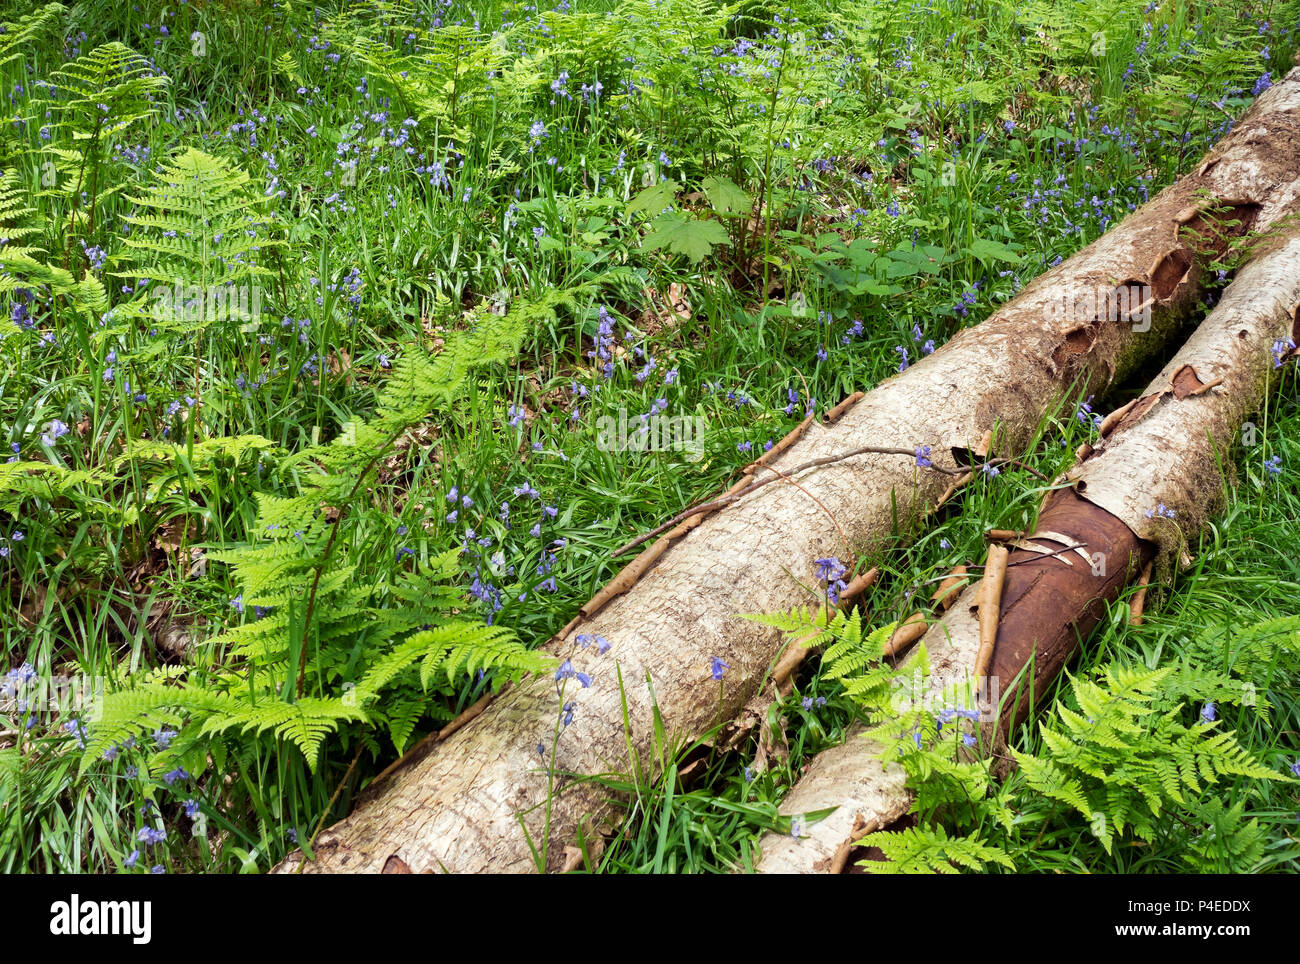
(929, 850)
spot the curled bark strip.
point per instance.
(859, 584)
(477, 800)
(989, 599)
(1170, 270)
(395, 865)
(1186, 382)
(1043, 550)
(1003, 535)
(909, 631)
(1110, 421)
(861, 828)
(1081, 548)
(1139, 600)
(949, 589)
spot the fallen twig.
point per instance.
(726, 500)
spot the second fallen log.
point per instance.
(1149, 482)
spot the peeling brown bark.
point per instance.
(1161, 449)
(463, 806)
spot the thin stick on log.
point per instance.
(727, 500)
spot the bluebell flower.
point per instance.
(164, 737)
(923, 457)
(828, 569)
(55, 431)
(719, 668)
(1208, 713)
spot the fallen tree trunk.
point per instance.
(1150, 481)
(464, 804)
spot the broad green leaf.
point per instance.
(726, 196)
(989, 250)
(653, 199)
(693, 238)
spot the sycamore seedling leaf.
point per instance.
(654, 199)
(691, 237)
(726, 196)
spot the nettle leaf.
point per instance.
(726, 196)
(654, 199)
(691, 237)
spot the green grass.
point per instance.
(995, 137)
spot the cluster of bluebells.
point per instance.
(949, 714)
(14, 691)
(1086, 416)
(832, 572)
(905, 355)
(604, 350)
(968, 299)
(567, 672)
(16, 536)
(1161, 511)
